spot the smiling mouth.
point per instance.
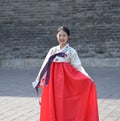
(62, 40)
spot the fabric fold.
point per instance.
(69, 96)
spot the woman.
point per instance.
(68, 93)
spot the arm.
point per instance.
(44, 63)
(75, 61)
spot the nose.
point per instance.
(61, 37)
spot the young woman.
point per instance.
(68, 93)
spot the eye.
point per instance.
(60, 35)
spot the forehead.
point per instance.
(61, 32)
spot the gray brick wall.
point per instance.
(28, 27)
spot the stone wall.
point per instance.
(28, 27)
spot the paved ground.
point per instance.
(18, 100)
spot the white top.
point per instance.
(72, 58)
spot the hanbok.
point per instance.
(70, 94)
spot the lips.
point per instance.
(62, 40)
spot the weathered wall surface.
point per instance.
(28, 27)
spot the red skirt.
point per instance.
(69, 96)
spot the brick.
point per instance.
(28, 27)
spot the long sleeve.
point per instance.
(44, 63)
(75, 61)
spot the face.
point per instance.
(62, 37)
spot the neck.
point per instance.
(62, 45)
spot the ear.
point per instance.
(68, 37)
(56, 35)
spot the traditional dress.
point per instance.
(71, 93)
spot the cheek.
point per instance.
(67, 38)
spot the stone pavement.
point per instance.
(18, 100)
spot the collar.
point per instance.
(64, 49)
